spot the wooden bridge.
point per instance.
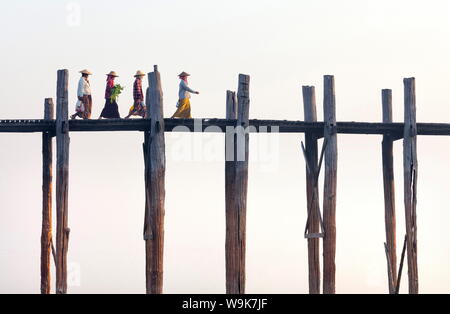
(237, 126)
(284, 126)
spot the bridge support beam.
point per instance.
(155, 168)
(389, 193)
(410, 181)
(329, 191)
(236, 174)
(309, 109)
(47, 177)
(62, 180)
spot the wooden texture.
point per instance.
(311, 152)
(155, 186)
(389, 270)
(329, 191)
(62, 180)
(410, 181)
(145, 147)
(389, 192)
(47, 177)
(242, 150)
(236, 207)
(231, 214)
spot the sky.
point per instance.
(282, 45)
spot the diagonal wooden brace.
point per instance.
(316, 173)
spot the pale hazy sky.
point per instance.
(367, 45)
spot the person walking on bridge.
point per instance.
(111, 109)
(84, 104)
(184, 105)
(138, 108)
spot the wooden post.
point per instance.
(329, 191)
(410, 181)
(232, 260)
(236, 189)
(309, 108)
(46, 234)
(62, 180)
(155, 190)
(389, 192)
(145, 147)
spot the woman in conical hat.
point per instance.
(184, 105)
(84, 103)
(138, 108)
(111, 109)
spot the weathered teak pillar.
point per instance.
(62, 180)
(236, 177)
(231, 217)
(145, 148)
(46, 234)
(389, 192)
(155, 189)
(309, 109)
(329, 191)
(410, 181)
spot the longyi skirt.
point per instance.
(111, 110)
(183, 110)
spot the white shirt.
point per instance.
(83, 87)
(184, 90)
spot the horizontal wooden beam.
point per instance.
(199, 125)
(26, 126)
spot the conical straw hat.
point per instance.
(112, 73)
(139, 73)
(183, 74)
(85, 72)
